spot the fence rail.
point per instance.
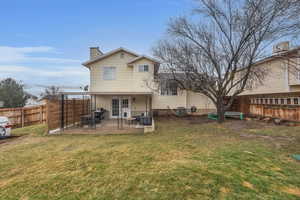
(20, 117)
(282, 105)
(73, 109)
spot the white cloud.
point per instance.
(41, 66)
(23, 54)
(14, 71)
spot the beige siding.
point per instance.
(200, 101)
(294, 69)
(276, 80)
(165, 102)
(128, 79)
(138, 103)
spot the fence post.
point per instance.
(48, 115)
(41, 114)
(22, 117)
(73, 111)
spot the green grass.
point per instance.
(37, 130)
(179, 161)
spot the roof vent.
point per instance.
(95, 52)
(281, 47)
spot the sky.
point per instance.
(44, 42)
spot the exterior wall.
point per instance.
(276, 80)
(184, 99)
(167, 102)
(281, 77)
(128, 79)
(200, 101)
(138, 103)
(293, 72)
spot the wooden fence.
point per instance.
(50, 113)
(20, 117)
(73, 109)
(282, 105)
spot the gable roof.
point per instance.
(109, 54)
(143, 57)
(276, 56)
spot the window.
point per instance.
(169, 89)
(125, 103)
(109, 73)
(143, 68)
(296, 101)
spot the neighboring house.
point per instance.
(283, 71)
(123, 82)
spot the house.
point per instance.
(283, 71)
(123, 82)
(278, 94)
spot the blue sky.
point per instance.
(44, 42)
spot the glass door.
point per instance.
(115, 111)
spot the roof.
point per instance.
(143, 57)
(109, 54)
(275, 56)
(106, 93)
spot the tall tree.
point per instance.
(213, 51)
(12, 93)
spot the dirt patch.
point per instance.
(9, 139)
(293, 191)
(203, 119)
(238, 125)
(267, 137)
(224, 190)
(248, 185)
(277, 141)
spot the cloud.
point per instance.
(23, 54)
(46, 73)
(12, 69)
(41, 66)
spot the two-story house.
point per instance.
(122, 80)
(282, 71)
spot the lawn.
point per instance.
(183, 159)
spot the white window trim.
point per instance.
(143, 67)
(113, 76)
(168, 92)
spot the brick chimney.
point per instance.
(95, 52)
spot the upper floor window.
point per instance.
(298, 75)
(143, 68)
(169, 89)
(109, 73)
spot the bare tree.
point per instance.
(51, 92)
(213, 51)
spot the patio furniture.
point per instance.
(130, 120)
(85, 120)
(146, 121)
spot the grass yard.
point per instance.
(183, 159)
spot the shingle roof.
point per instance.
(109, 54)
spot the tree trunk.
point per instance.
(220, 110)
